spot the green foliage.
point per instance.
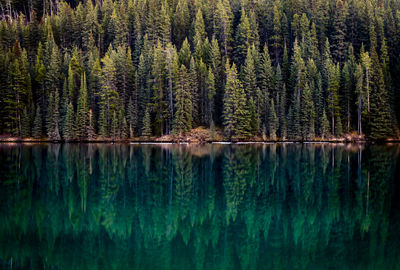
(130, 53)
(236, 115)
(183, 114)
(82, 111)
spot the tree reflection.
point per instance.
(279, 206)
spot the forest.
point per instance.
(280, 70)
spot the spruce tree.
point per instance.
(379, 120)
(183, 114)
(242, 38)
(82, 111)
(69, 129)
(211, 92)
(277, 34)
(236, 115)
(37, 130)
(273, 121)
(338, 38)
(307, 114)
(53, 116)
(333, 95)
(146, 127)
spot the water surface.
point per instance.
(276, 206)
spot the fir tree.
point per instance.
(37, 130)
(82, 111)
(273, 121)
(146, 128)
(236, 116)
(69, 129)
(379, 121)
(183, 114)
(307, 114)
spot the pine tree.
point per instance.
(277, 34)
(242, 38)
(359, 76)
(82, 111)
(26, 123)
(366, 62)
(236, 116)
(37, 130)
(282, 113)
(108, 95)
(53, 116)
(211, 92)
(160, 103)
(194, 86)
(199, 30)
(223, 24)
(183, 114)
(333, 95)
(266, 78)
(379, 120)
(185, 54)
(338, 38)
(19, 94)
(307, 114)
(251, 89)
(273, 121)
(114, 126)
(146, 128)
(325, 126)
(69, 129)
(171, 66)
(132, 118)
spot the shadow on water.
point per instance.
(276, 206)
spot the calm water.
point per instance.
(273, 206)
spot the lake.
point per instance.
(261, 206)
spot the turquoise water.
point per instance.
(276, 206)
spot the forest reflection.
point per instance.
(263, 206)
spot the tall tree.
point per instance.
(183, 114)
(236, 115)
(82, 111)
(379, 120)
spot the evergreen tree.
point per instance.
(132, 118)
(359, 76)
(183, 114)
(223, 24)
(333, 95)
(338, 38)
(236, 115)
(194, 86)
(146, 129)
(379, 120)
(69, 129)
(160, 103)
(82, 111)
(266, 78)
(108, 95)
(37, 124)
(307, 114)
(277, 34)
(242, 38)
(53, 117)
(199, 30)
(273, 121)
(211, 91)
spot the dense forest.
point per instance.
(295, 70)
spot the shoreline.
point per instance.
(196, 142)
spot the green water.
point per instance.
(277, 206)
